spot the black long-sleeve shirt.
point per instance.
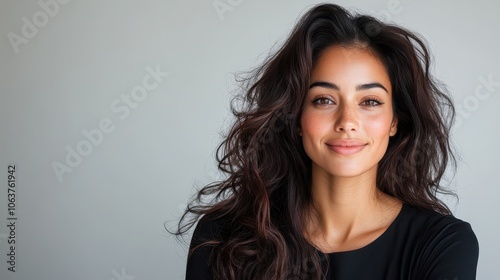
(419, 245)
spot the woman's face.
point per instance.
(347, 116)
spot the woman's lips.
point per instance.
(346, 147)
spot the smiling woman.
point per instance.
(334, 164)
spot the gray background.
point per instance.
(104, 219)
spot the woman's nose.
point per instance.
(346, 119)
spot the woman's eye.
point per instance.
(371, 103)
(322, 101)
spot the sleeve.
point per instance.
(450, 252)
(197, 267)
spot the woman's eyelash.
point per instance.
(372, 102)
(320, 100)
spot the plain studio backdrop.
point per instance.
(111, 112)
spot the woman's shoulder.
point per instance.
(209, 228)
(431, 221)
(446, 245)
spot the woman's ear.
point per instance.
(394, 127)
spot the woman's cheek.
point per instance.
(316, 124)
(378, 125)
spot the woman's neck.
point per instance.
(345, 209)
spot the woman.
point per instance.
(333, 164)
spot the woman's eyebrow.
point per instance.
(325, 85)
(371, 85)
(358, 87)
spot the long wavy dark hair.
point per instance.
(265, 195)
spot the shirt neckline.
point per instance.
(378, 239)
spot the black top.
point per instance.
(419, 245)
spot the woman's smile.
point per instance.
(346, 147)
